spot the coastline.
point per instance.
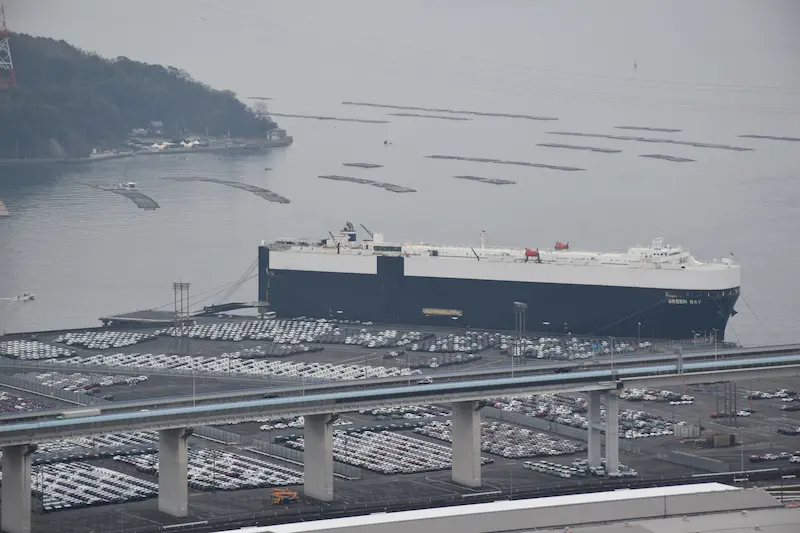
(259, 145)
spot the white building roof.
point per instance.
(495, 507)
(768, 521)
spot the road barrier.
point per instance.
(694, 461)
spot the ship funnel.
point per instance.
(658, 243)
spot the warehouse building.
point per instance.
(694, 508)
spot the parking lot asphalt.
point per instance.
(503, 476)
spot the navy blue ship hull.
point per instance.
(586, 310)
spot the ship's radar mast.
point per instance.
(483, 239)
(658, 243)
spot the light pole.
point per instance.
(612, 355)
(715, 343)
(639, 335)
(741, 438)
(520, 309)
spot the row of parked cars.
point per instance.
(656, 395)
(257, 367)
(272, 350)
(297, 331)
(103, 340)
(388, 453)
(213, 469)
(135, 440)
(508, 441)
(79, 381)
(570, 410)
(66, 486)
(792, 457)
(778, 393)
(292, 422)
(32, 350)
(13, 403)
(578, 468)
(406, 412)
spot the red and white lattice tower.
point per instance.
(6, 65)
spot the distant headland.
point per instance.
(73, 105)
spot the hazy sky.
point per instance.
(218, 41)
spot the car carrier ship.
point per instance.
(660, 291)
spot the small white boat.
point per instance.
(25, 296)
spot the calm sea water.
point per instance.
(715, 70)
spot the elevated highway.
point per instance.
(371, 394)
(321, 408)
(299, 388)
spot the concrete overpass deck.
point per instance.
(313, 387)
(322, 401)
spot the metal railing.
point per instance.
(218, 435)
(551, 427)
(48, 391)
(296, 456)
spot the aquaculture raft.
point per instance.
(258, 191)
(388, 186)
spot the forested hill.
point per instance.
(83, 101)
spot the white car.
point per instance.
(794, 459)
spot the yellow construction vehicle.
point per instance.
(283, 496)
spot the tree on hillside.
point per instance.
(82, 101)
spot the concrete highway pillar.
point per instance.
(16, 489)
(173, 462)
(318, 457)
(612, 432)
(595, 435)
(466, 433)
